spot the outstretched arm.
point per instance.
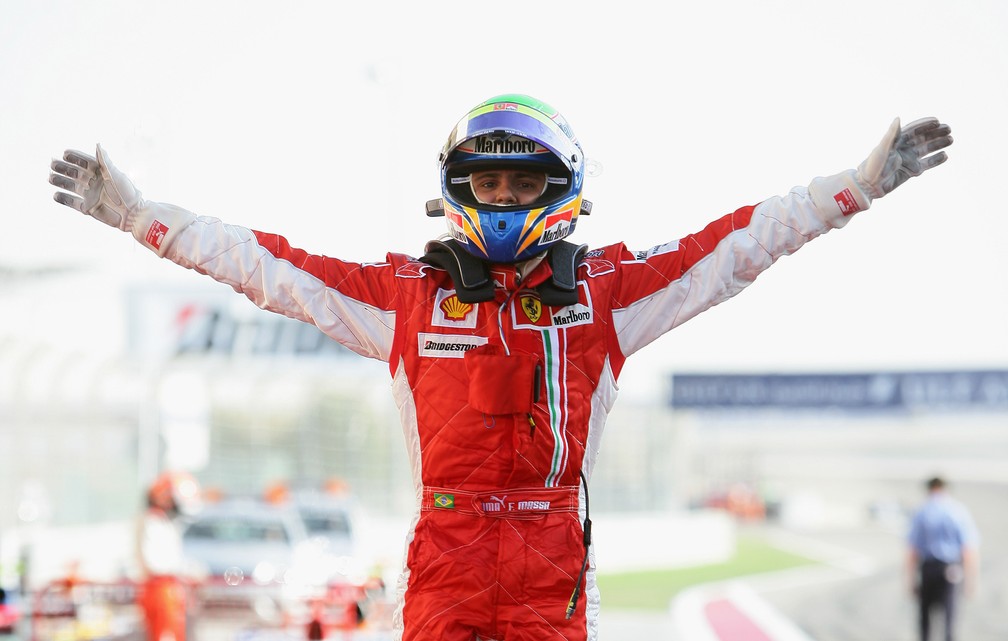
(667, 285)
(350, 302)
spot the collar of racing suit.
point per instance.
(474, 284)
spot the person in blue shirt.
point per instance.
(943, 556)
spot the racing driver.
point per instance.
(504, 342)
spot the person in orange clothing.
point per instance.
(159, 552)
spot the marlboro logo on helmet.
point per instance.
(506, 145)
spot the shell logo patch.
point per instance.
(454, 309)
(449, 311)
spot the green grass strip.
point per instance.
(654, 589)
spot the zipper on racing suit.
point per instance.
(586, 526)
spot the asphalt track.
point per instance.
(857, 593)
(872, 602)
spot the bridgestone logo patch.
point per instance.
(447, 345)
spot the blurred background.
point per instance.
(802, 418)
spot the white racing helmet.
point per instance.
(516, 132)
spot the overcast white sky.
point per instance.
(323, 120)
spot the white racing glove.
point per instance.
(103, 192)
(903, 153)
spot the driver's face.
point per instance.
(507, 186)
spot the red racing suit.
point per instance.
(498, 440)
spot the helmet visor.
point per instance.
(505, 170)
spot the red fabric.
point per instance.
(498, 578)
(731, 624)
(163, 602)
(500, 383)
